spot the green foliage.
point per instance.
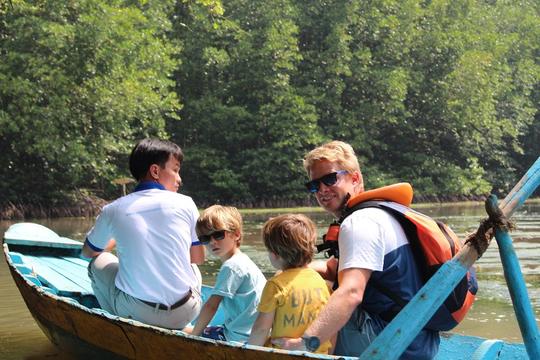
(79, 81)
(244, 126)
(443, 94)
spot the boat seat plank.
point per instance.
(73, 271)
(30, 234)
(489, 349)
(77, 261)
(57, 276)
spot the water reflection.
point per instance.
(491, 316)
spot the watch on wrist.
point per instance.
(311, 343)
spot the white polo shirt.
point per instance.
(154, 230)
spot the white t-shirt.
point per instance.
(373, 239)
(366, 236)
(154, 230)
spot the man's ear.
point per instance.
(356, 178)
(358, 181)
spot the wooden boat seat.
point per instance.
(63, 275)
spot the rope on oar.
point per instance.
(481, 239)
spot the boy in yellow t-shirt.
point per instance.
(292, 299)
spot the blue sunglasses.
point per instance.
(314, 185)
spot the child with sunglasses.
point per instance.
(239, 283)
(293, 298)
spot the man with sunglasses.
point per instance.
(371, 244)
(152, 278)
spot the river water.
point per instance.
(492, 315)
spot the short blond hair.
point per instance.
(292, 237)
(218, 217)
(335, 151)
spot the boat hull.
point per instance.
(53, 282)
(88, 334)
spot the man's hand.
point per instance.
(290, 343)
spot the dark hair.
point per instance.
(291, 237)
(152, 151)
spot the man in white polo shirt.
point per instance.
(154, 279)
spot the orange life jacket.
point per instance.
(433, 243)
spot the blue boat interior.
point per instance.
(54, 265)
(65, 274)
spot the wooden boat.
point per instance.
(53, 282)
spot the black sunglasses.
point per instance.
(329, 180)
(218, 235)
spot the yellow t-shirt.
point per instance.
(297, 295)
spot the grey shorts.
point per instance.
(102, 271)
(357, 334)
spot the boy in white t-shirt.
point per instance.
(239, 283)
(153, 278)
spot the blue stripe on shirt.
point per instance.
(93, 247)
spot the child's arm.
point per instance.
(207, 313)
(261, 328)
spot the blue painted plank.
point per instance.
(463, 347)
(457, 347)
(33, 279)
(30, 234)
(76, 260)
(24, 269)
(488, 350)
(16, 257)
(49, 290)
(55, 279)
(74, 272)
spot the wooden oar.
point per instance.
(397, 336)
